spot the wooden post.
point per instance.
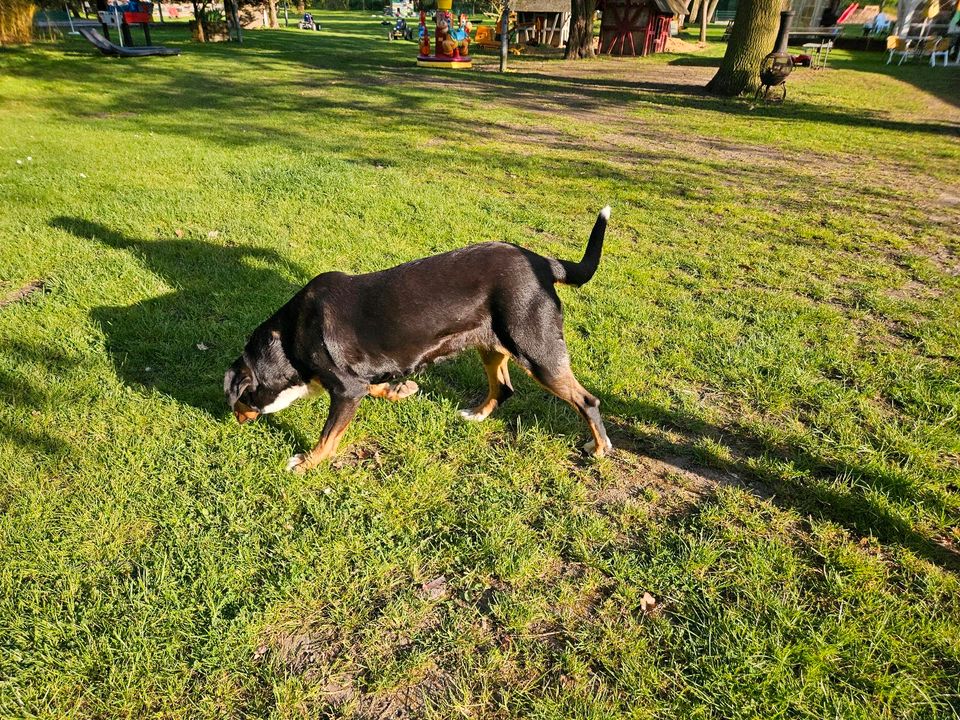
(504, 35)
(703, 21)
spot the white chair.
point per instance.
(899, 46)
(937, 47)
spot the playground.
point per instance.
(773, 335)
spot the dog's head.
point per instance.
(240, 385)
(262, 380)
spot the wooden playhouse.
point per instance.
(636, 27)
(544, 22)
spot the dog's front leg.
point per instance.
(342, 410)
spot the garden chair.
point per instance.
(898, 46)
(936, 47)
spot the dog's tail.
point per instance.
(571, 273)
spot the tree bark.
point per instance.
(272, 14)
(580, 43)
(754, 31)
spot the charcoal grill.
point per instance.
(777, 66)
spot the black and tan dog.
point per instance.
(353, 334)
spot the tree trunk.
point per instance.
(694, 14)
(754, 30)
(580, 43)
(272, 14)
(713, 10)
(301, 6)
(504, 35)
(200, 14)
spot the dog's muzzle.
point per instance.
(244, 413)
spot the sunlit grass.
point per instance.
(773, 335)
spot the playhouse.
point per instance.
(544, 22)
(636, 27)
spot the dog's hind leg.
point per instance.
(565, 385)
(550, 366)
(499, 386)
(342, 410)
(394, 392)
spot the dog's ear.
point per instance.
(238, 379)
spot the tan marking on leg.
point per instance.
(568, 388)
(498, 372)
(342, 411)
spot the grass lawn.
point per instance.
(773, 334)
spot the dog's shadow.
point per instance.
(180, 342)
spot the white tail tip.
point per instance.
(605, 213)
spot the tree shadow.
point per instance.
(391, 87)
(179, 343)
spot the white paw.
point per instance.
(405, 389)
(472, 416)
(294, 462)
(590, 447)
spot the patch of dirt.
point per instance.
(913, 290)
(23, 292)
(676, 45)
(359, 455)
(335, 660)
(946, 260)
(667, 484)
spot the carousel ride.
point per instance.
(451, 47)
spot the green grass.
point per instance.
(773, 334)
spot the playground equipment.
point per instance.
(452, 45)
(400, 30)
(94, 36)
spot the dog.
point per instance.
(357, 335)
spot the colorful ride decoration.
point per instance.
(451, 47)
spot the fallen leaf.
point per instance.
(647, 603)
(213, 234)
(178, 232)
(436, 589)
(202, 346)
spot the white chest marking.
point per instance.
(286, 398)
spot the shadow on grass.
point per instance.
(28, 397)
(221, 294)
(180, 98)
(864, 500)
